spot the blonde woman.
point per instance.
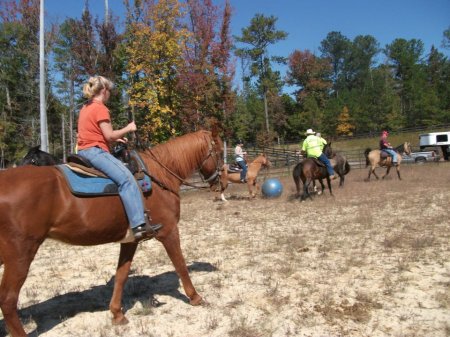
(95, 132)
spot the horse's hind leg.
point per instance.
(173, 248)
(322, 186)
(127, 251)
(306, 193)
(17, 258)
(387, 172)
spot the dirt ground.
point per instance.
(374, 260)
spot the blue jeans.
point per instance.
(391, 153)
(128, 189)
(323, 158)
(243, 166)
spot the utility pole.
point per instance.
(106, 12)
(43, 110)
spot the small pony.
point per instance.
(381, 158)
(252, 174)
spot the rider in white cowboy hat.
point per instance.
(313, 146)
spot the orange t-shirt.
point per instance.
(89, 132)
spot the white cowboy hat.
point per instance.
(310, 132)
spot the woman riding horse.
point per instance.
(235, 177)
(376, 158)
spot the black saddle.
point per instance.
(234, 167)
(318, 162)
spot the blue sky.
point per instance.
(309, 21)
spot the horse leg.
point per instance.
(297, 185)
(306, 193)
(322, 186)
(250, 183)
(17, 260)
(398, 172)
(341, 179)
(329, 185)
(387, 172)
(315, 187)
(223, 186)
(372, 170)
(126, 255)
(173, 248)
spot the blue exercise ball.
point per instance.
(272, 188)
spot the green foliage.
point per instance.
(259, 35)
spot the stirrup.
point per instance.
(146, 231)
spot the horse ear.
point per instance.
(215, 130)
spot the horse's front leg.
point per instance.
(341, 179)
(16, 263)
(398, 172)
(387, 172)
(172, 245)
(251, 184)
(223, 182)
(127, 251)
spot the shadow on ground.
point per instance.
(54, 311)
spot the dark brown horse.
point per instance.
(376, 158)
(36, 204)
(35, 156)
(339, 162)
(307, 171)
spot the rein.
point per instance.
(213, 177)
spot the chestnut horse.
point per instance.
(374, 158)
(252, 174)
(36, 203)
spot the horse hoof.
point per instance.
(197, 300)
(120, 321)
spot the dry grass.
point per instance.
(371, 261)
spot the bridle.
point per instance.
(212, 153)
(215, 155)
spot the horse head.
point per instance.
(263, 160)
(38, 158)
(327, 150)
(407, 148)
(213, 163)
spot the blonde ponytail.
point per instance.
(96, 84)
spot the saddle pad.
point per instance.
(384, 154)
(319, 162)
(82, 184)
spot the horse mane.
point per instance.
(180, 154)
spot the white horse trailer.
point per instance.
(441, 139)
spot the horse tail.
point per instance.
(296, 172)
(366, 154)
(347, 167)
